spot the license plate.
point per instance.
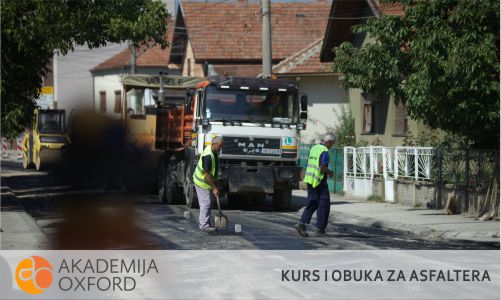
(271, 151)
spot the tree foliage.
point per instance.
(33, 30)
(441, 59)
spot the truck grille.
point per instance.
(251, 146)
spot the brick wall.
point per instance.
(405, 193)
(378, 187)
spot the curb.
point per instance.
(417, 230)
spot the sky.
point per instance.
(73, 81)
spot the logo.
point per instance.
(288, 141)
(34, 275)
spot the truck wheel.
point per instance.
(172, 191)
(161, 180)
(190, 195)
(282, 199)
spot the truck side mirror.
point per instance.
(304, 103)
(188, 99)
(303, 115)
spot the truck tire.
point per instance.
(173, 193)
(282, 198)
(190, 194)
(161, 179)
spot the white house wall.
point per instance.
(326, 100)
(109, 84)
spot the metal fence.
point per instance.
(466, 170)
(398, 162)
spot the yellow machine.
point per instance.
(43, 141)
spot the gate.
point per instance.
(336, 165)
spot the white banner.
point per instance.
(249, 274)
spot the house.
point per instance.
(377, 120)
(229, 43)
(327, 99)
(106, 76)
(224, 38)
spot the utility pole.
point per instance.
(266, 37)
(132, 58)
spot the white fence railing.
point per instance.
(386, 162)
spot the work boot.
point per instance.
(320, 232)
(208, 229)
(301, 229)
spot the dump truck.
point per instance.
(141, 94)
(44, 139)
(259, 120)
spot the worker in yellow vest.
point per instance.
(318, 192)
(206, 172)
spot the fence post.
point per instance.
(416, 163)
(438, 204)
(395, 164)
(465, 206)
(385, 174)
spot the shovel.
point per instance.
(220, 221)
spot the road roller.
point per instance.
(44, 139)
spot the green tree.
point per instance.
(33, 30)
(441, 60)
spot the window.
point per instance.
(370, 114)
(118, 101)
(401, 126)
(102, 96)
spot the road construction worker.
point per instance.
(206, 172)
(318, 191)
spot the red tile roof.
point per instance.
(232, 31)
(306, 61)
(389, 9)
(244, 70)
(153, 56)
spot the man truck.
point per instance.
(259, 120)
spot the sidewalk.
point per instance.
(17, 229)
(421, 222)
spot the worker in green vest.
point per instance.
(206, 172)
(318, 192)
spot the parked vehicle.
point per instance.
(259, 120)
(140, 118)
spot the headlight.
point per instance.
(300, 126)
(205, 122)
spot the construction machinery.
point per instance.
(141, 98)
(259, 120)
(44, 139)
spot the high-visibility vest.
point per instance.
(314, 174)
(199, 174)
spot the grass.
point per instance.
(375, 198)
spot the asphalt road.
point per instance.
(87, 217)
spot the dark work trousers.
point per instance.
(318, 200)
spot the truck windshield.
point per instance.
(51, 122)
(247, 106)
